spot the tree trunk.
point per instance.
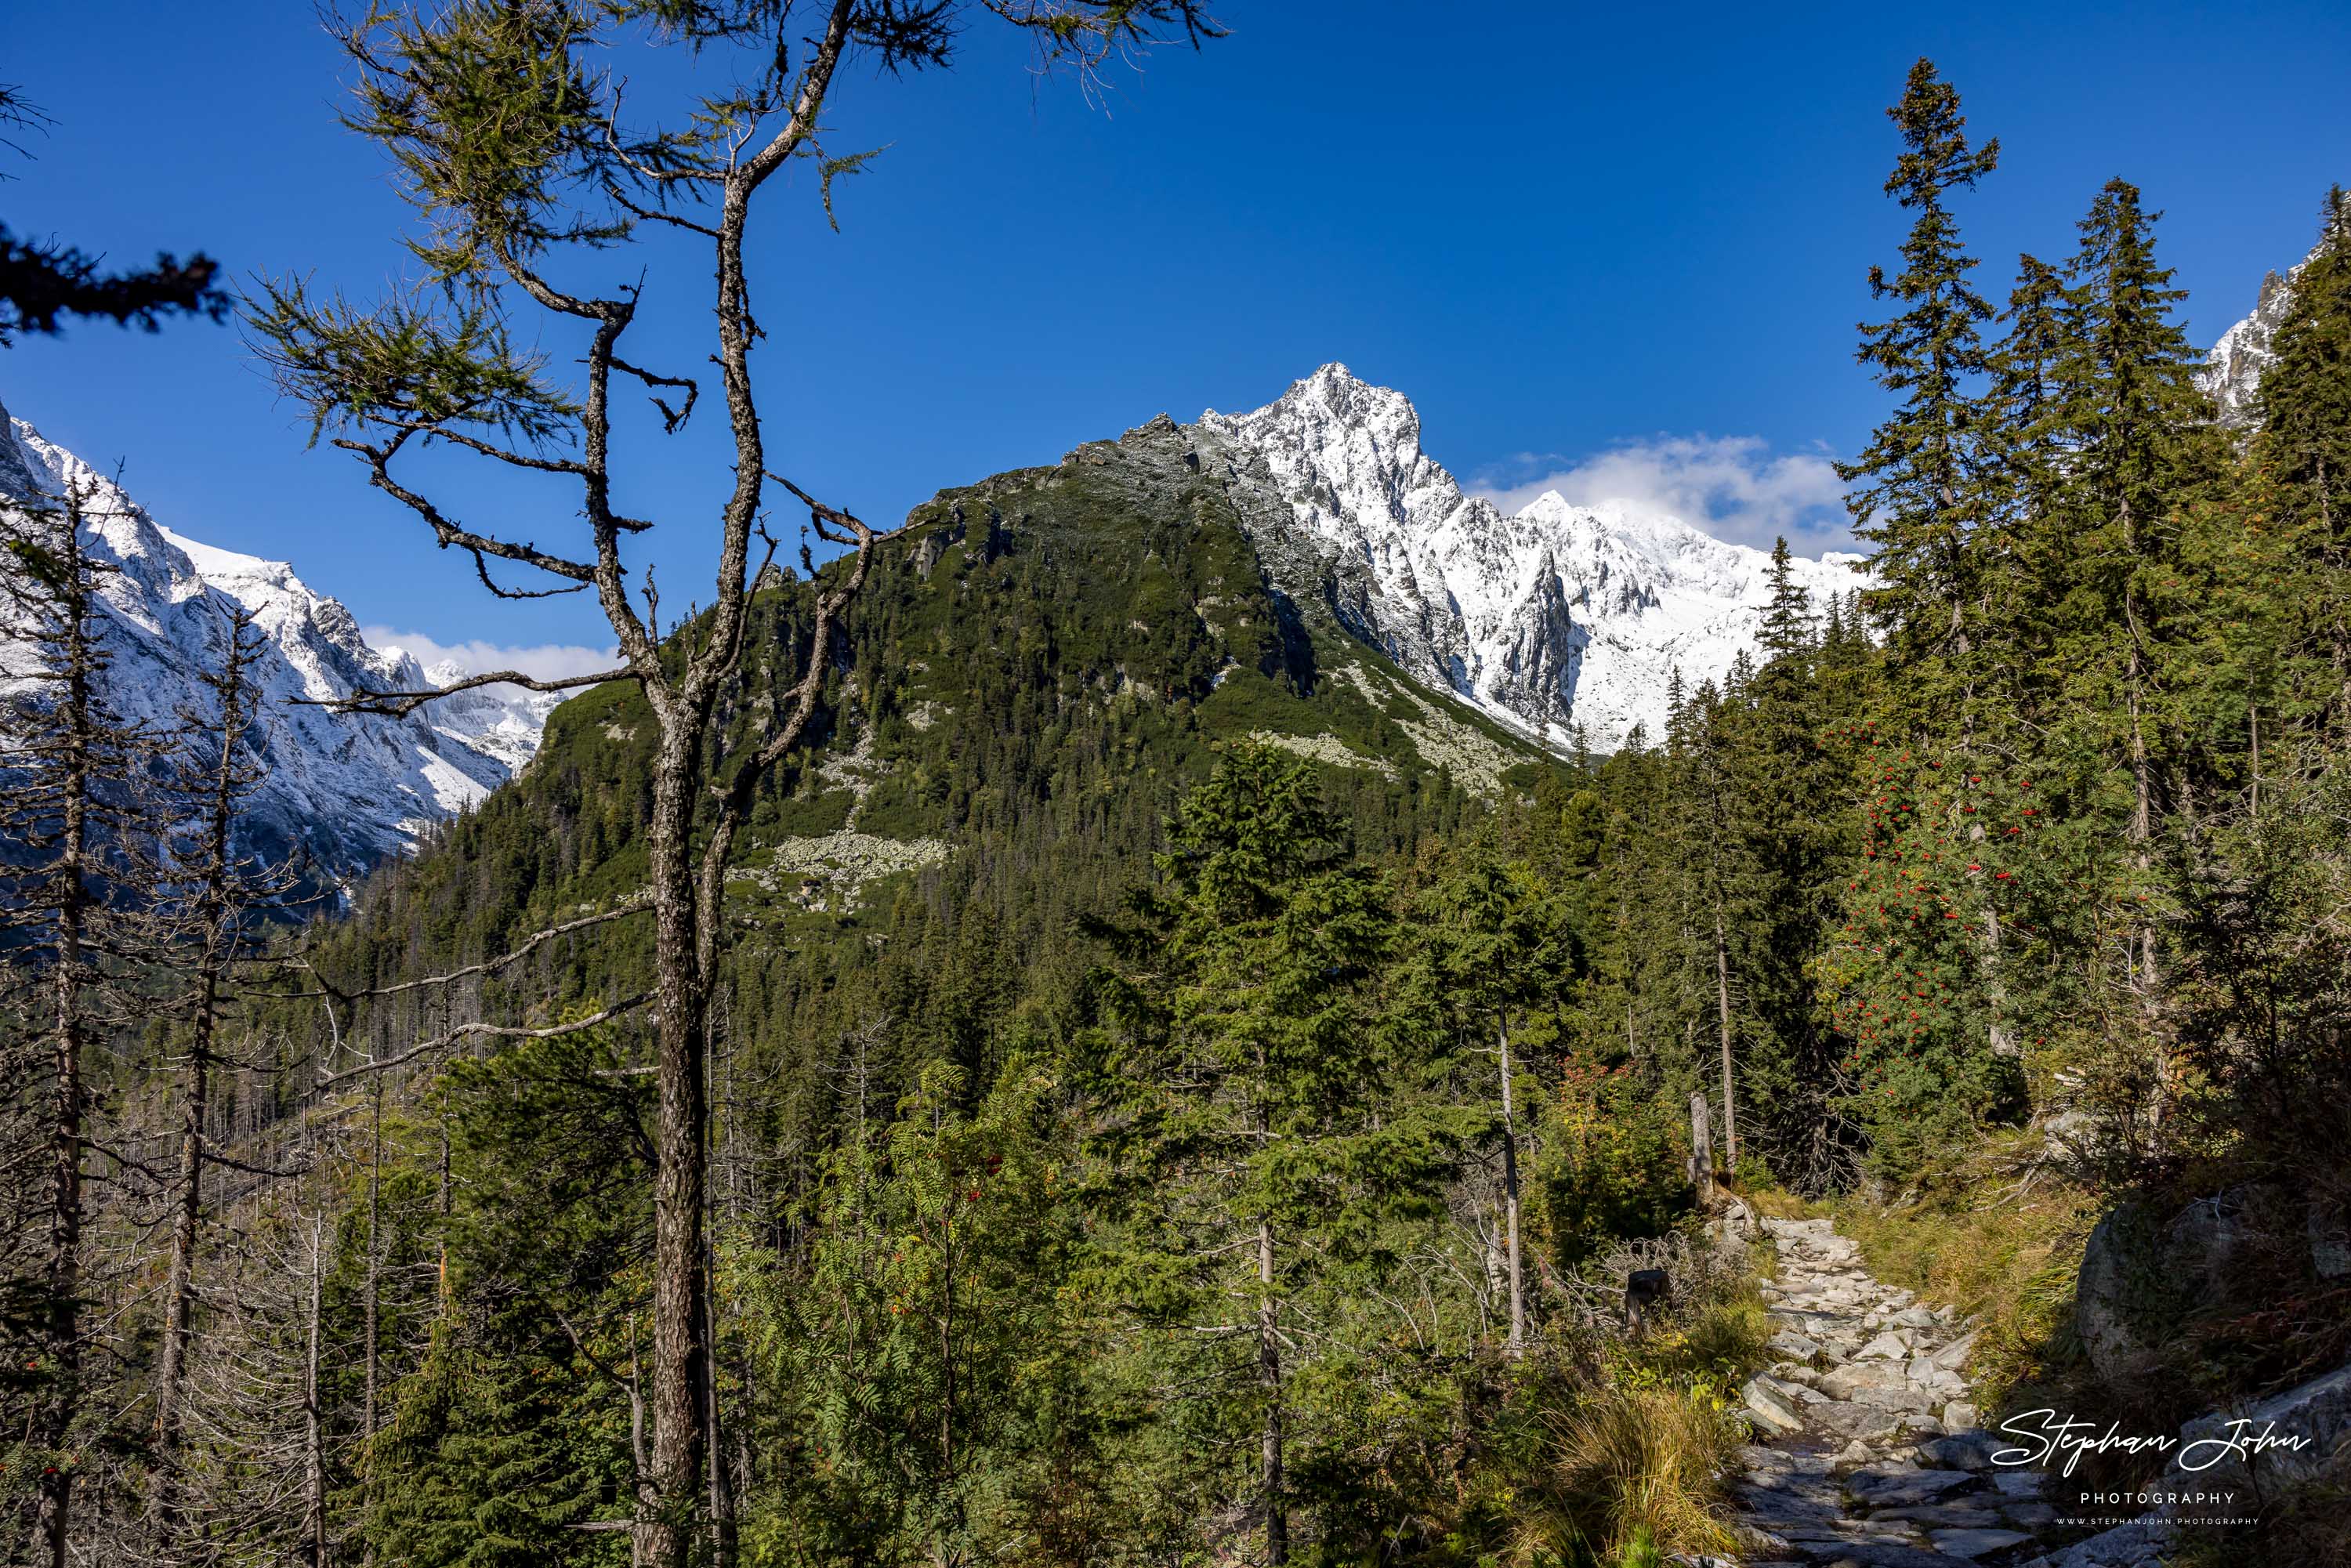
(2142, 832)
(179, 1289)
(61, 1357)
(678, 1351)
(2253, 719)
(2143, 835)
(368, 1412)
(1269, 1377)
(219, 905)
(61, 1327)
(722, 1490)
(1701, 1166)
(1995, 993)
(441, 1202)
(640, 1466)
(1722, 1015)
(314, 1443)
(1517, 1340)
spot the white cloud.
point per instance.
(544, 661)
(1733, 486)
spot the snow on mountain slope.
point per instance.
(1557, 617)
(350, 789)
(2232, 373)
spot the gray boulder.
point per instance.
(1775, 1410)
(2328, 1229)
(2141, 1544)
(2138, 1276)
(2110, 1291)
(1849, 1380)
(2204, 1246)
(1894, 1489)
(1959, 1451)
(2281, 1440)
(1954, 1356)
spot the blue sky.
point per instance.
(1622, 245)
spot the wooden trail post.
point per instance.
(1701, 1161)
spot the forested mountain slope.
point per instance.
(1040, 669)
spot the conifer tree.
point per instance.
(1247, 1087)
(2026, 398)
(43, 279)
(2302, 459)
(1787, 627)
(1918, 487)
(2027, 409)
(1787, 841)
(1490, 943)
(2137, 428)
(2139, 443)
(1708, 874)
(931, 1345)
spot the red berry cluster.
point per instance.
(1943, 852)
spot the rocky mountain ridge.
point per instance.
(346, 789)
(2232, 373)
(1557, 618)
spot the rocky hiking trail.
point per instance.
(1870, 1455)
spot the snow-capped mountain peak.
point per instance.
(349, 790)
(1559, 616)
(2232, 373)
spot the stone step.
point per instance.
(1894, 1489)
(1975, 1542)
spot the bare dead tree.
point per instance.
(511, 146)
(314, 1442)
(372, 1322)
(1518, 1332)
(215, 897)
(78, 842)
(255, 1467)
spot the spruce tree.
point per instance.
(2302, 461)
(2026, 398)
(2139, 445)
(2028, 408)
(2137, 428)
(1249, 1093)
(1918, 487)
(1788, 619)
(1782, 788)
(1491, 948)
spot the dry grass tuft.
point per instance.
(1772, 1201)
(1633, 1472)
